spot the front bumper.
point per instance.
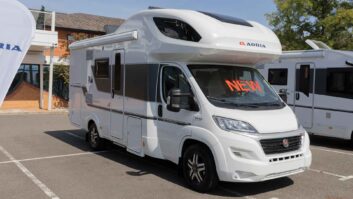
(247, 162)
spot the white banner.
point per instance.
(17, 28)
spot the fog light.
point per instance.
(244, 174)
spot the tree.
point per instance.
(61, 81)
(330, 21)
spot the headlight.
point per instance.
(233, 125)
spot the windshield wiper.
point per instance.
(216, 99)
(271, 104)
(232, 103)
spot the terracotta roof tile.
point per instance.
(83, 21)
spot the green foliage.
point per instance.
(62, 73)
(330, 21)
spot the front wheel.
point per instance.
(199, 168)
(94, 141)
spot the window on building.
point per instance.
(176, 29)
(278, 76)
(340, 82)
(70, 39)
(26, 73)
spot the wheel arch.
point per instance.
(92, 119)
(211, 142)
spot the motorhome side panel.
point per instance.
(140, 103)
(76, 94)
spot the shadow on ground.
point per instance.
(332, 143)
(165, 169)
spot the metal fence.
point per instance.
(44, 20)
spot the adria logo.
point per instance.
(10, 47)
(252, 44)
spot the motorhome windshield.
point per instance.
(235, 87)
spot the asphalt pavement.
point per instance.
(43, 156)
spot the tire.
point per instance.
(199, 168)
(95, 142)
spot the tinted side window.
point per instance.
(173, 78)
(102, 75)
(278, 76)
(304, 79)
(117, 74)
(101, 68)
(141, 81)
(340, 82)
(176, 29)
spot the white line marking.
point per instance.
(74, 135)
(327, 173)
(236, 193)
(30, 175)
(346, 178)
(332, 151)
(51, 157)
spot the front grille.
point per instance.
(274, 146)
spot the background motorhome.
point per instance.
(318, 85)
(158, 87)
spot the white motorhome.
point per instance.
(180, 85)
(318, 85)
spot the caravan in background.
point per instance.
(318, 85)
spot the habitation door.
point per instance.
(117, 94)
(305, 93)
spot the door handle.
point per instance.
(113, 93)
(160, 111)
(297, 96)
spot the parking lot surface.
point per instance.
(43, 156)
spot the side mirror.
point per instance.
(175, 102)
(283, 94)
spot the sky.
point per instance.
(254, 10)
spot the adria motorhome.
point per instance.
(318, 85)
(180, 85)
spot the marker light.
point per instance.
(233, 125)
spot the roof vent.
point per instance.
(228, 19)
(317, 45)
(154, 7)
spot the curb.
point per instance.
(24, 112)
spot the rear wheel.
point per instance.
(199, 169)
(94, 141)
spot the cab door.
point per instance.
(117, 95)
(171, 124)
(304, 94)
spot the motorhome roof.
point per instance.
(215, 39)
